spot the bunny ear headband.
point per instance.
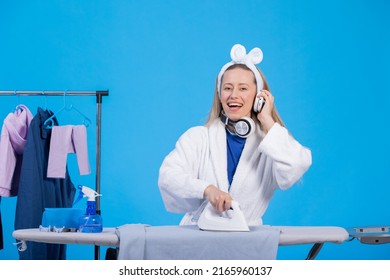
(239, 56)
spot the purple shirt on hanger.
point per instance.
(64, 140)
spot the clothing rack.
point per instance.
(99, 98)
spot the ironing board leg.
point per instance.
(97, 252)
(314, 251)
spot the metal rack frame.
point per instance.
(99, 98)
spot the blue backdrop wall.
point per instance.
(327, 63)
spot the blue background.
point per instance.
(327, 63)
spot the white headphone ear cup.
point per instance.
(244, 127)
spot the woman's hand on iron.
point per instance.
(221, 201)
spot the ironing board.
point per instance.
(289, 235)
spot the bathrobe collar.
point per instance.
(217, 136)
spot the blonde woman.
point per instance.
(243, 152)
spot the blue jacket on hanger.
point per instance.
(37, 192)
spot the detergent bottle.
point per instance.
(90, 221)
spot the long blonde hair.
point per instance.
(216, 107)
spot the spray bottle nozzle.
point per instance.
(85, 191)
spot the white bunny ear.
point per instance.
(238, 53)
(255, 56)
(239, 56)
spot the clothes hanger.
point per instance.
(18, 107)
(49, 123)
(44, 95)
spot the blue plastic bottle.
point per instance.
(91, 222)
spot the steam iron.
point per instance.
(230, 220)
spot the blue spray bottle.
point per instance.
(90, 221)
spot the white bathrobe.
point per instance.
(199, 159)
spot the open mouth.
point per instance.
(234, 105)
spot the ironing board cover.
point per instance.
(139, 241)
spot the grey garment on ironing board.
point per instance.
(138, 241)
(37, 192)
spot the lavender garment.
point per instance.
(12, 142)
(64, 140)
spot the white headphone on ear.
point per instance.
(244, 127)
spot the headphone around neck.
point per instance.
(244, 127)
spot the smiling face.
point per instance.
(238, 91)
